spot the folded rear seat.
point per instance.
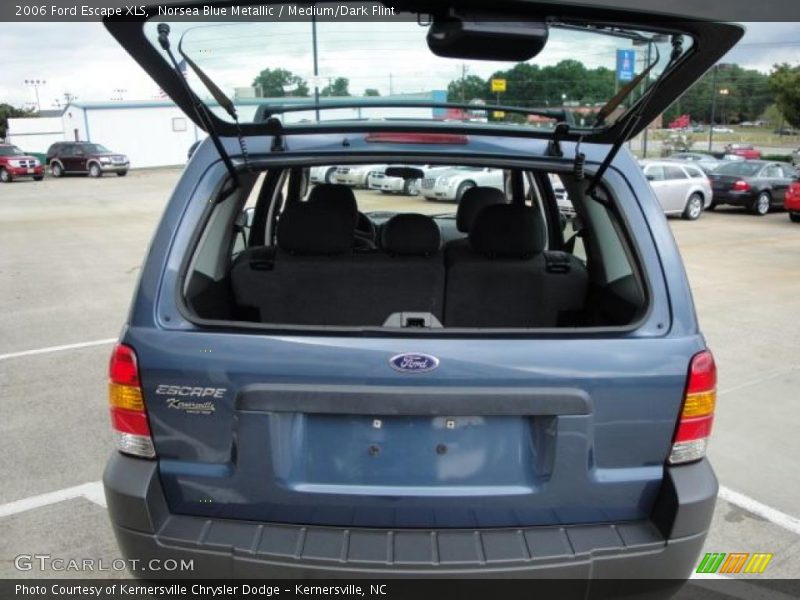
(315, 278)
(504, 277)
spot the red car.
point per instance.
(746, 151)
(791, 201)
(15, 163)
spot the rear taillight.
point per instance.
(128, 413)
(740, 185)
(697, 412)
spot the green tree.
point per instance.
(748, 95)
(272, 82)
(468, 88)
(338, 87)
(371, 92)
(784, 81)
(10, 112)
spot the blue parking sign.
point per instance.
(626, 64)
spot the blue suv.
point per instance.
(320, 381)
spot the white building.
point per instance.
(157, 133)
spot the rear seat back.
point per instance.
(471, 204)
(314, 277)
(505, 278)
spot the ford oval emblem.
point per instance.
(414, 362)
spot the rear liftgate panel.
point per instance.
(323, 431)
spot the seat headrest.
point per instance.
(318, 228)
(508, 231)
(474, 201)
(410, 234)
(337, 195)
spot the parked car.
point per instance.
(705, 161)
(791, 201)
(85, 158)
(721, 129)
(681, 188)
(452, 184)
(757, 185)
(322, 174)
(464, 401)
(15, 163)
(747, 151)
(356, 175)
(786, 131)
(378, 180)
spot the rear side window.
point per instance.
(673, 172)
(694, 172)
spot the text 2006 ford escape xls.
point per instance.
(314, 381)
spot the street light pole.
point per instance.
(35, 83)
(316, 63)
(713, 106)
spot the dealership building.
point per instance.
(156, 133)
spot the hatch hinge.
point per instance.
(559, 133)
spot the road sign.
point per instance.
(626, 64)
(499, 114)
(498, 85)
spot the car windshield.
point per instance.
(741, 168)
(293, 62)
(10, 151)
(95, 149)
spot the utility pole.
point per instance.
(647, 82)
(463, 82)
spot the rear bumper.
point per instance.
(114, 167)
(665, 547)
(734, 198)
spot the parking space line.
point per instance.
(57, 348)
(92, 491)
(773, 515)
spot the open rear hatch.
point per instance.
(635, 49)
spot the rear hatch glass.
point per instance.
(584, 66)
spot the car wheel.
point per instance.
(795, 217)
(56, 170)
(122, 173)
(761, 204)
(694, 208)
(94, 170)
(462, 189)
(411, 187)
(5, 176)
(329, 175)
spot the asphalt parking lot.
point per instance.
(69, 259)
